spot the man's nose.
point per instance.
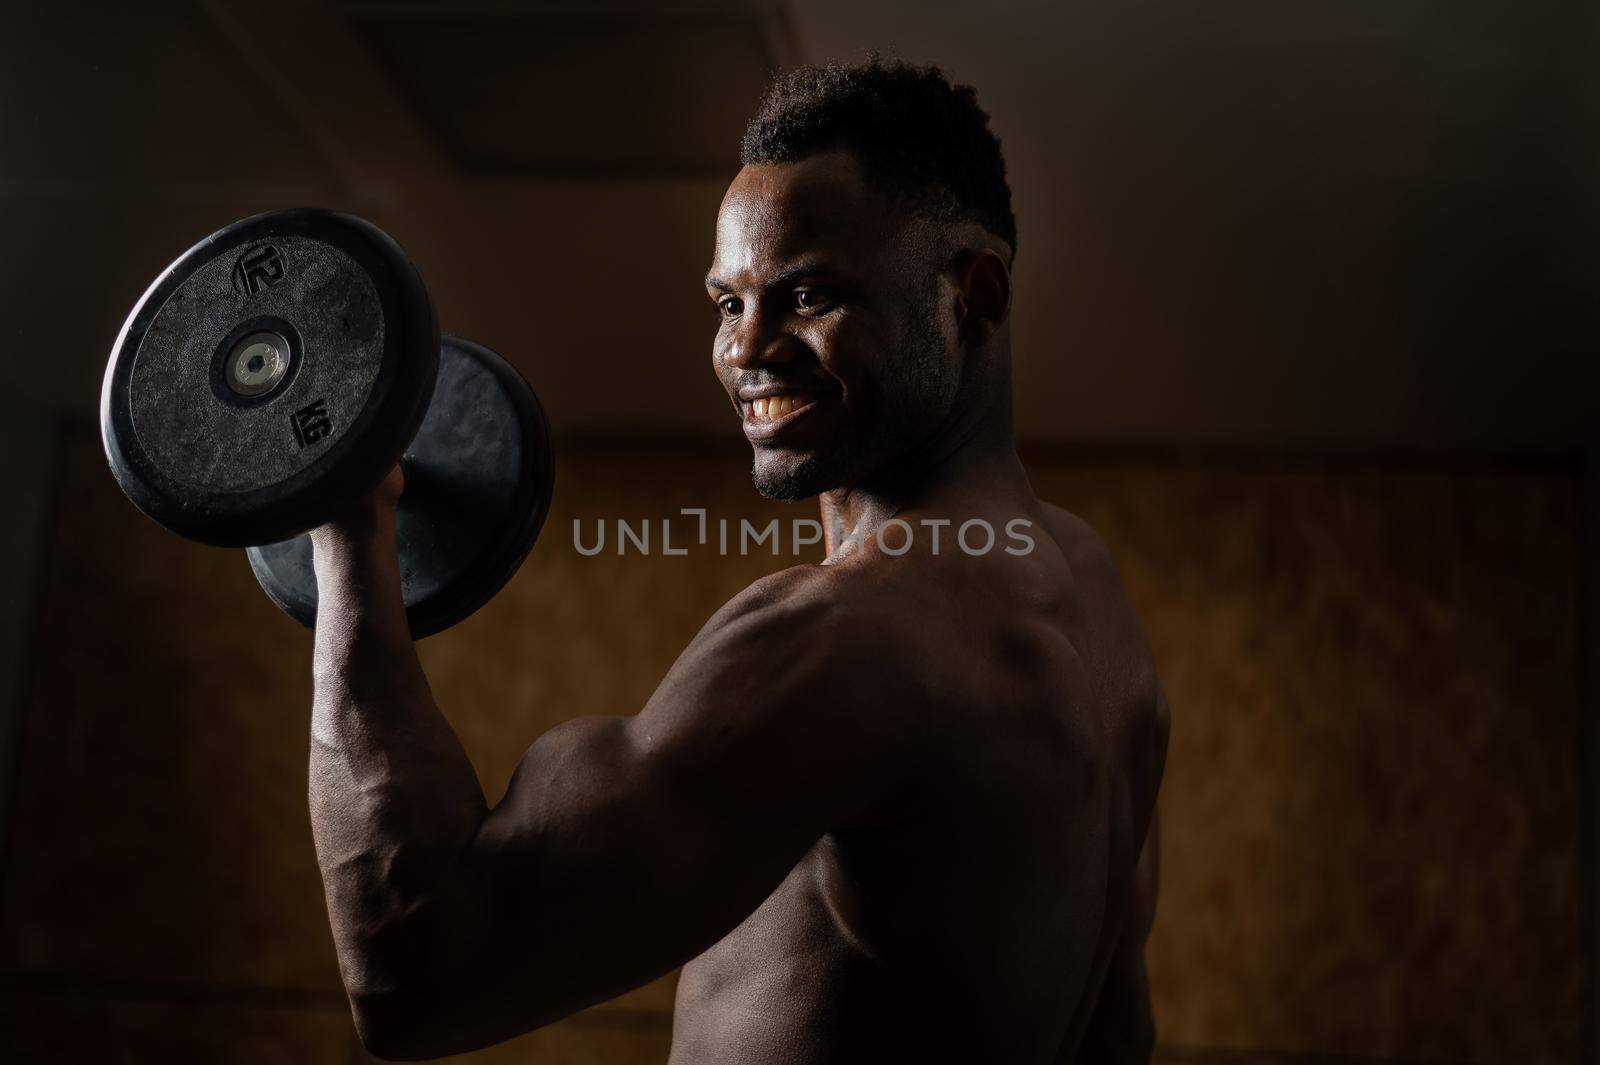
(755, 341)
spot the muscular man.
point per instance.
(886, 808)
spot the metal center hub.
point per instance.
(257, 363)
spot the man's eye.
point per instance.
(811, 299)
(730, 306)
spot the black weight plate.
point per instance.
(275, 369)
(478, 482)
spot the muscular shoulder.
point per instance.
(823, 618)
(789, 672)
(1080, 544)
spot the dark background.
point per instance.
(1305, 325)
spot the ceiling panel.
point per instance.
(109, 101)
(565, 94)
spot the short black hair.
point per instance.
(919, 138)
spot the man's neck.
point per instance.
(964, 469)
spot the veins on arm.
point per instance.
(624, 846)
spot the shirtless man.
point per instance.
(887, 808)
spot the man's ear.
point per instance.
(983, 294)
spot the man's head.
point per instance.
(861, 271)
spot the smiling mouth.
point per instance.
(767, 409)
(767, 416)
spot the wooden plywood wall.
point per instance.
(1371, 809)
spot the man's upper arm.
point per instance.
(625, 846)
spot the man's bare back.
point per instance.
(976, 913)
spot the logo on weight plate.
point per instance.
(260, 267)
(311, 423)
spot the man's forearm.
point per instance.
(394, 801)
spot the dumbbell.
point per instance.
(279, 369)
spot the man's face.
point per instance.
(833, 342)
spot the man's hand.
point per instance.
(362, 524)
(358, 575)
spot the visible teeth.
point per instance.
(770, 408)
